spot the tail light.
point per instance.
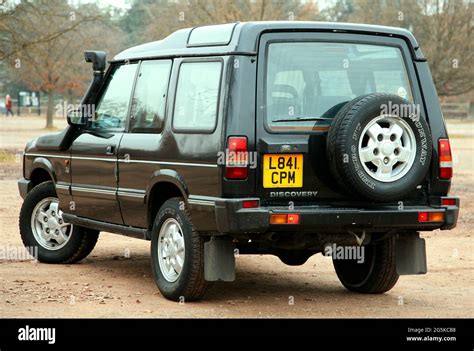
(430, 217)
(250, 204)
(445, 159)
(290, 218)
(237, 158)
(448, 201)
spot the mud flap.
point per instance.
(411, 255)
(219, 259)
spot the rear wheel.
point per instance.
(177, 254)
(376, 274)
(43, 229)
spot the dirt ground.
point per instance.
(116, 281)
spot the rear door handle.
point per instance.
(110, 150)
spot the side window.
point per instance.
(197, 95)
(112, 109)
(149, 99)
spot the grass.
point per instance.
(459, 136)
(10, 157)
(469, 120)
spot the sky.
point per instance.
(117, 3)
(123, 4)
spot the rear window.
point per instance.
(308, 82)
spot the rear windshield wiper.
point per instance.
(302, 119)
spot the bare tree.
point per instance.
(15, 20)
(446, 32)
(163, 18)
(46, 52)
(444, 29)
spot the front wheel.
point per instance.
(177, 254)
(376, 273)
(43, 230)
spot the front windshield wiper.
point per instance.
(302, 119)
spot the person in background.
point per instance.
(8, 105)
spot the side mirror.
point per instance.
(98, 59)
(76, 118)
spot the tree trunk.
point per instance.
(49, 113)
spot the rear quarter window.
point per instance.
(197, 96)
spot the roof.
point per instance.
(242, 38)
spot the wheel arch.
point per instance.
(41, 171)
(165, 184)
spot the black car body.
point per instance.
(115, 173)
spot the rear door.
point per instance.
(143, 145)
(304, 79)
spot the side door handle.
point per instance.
(110, 150)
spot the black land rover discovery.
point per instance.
(283, 138)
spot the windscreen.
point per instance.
(307, 83)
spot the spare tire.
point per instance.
(379, 147)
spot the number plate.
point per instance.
(282, 171)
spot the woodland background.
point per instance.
(42, 42)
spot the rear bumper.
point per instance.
(232, 218)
